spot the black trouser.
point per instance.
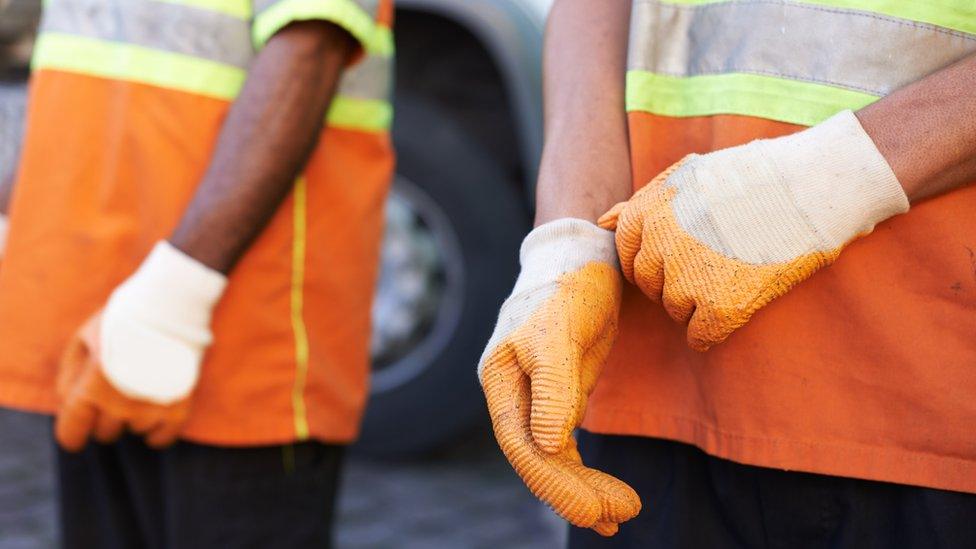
(694, 500)
(126, 495)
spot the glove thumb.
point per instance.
(608, 220)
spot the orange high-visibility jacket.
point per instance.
(126, 101)
(868, 369)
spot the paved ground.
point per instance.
(26, 483)
(466, 498)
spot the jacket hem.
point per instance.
(877, 463)
(244, 435)
(28, 397)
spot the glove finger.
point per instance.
(556, 397)
(609, 220)
(71, 367)
(107, 428)
(596, 356)
(551, 346)
(605, 528)
(507, 392)
(629, 227)
(706, 328)
(163, 435)
(73, 425)
(169, 429)
(676, 298)
(630, 220)
(620, 502)
(592, 364)
(144, 421)
(649, 271)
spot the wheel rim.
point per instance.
(419, 296)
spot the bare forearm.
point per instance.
(927, 130)
(585, 165)
(269, 133)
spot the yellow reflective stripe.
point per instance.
(360, 114)
(137, 64)
(345, 13)
(382, 42)
(958, 15)
(297, 310)
(235, 8)
(182, 73)
(768, 97)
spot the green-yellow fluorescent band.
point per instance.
(382, 42)
(951, 14)
(360, 114)
(376, 40)
(240, 9)
(137, 64)
(298, 309)
(791, 101)
(184, 73)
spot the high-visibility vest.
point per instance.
(127, 99)
(792, 61)
(868, 369)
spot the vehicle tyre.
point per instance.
(425, 393)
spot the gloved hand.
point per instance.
(135, 364)
(716, 237)
(553, 335)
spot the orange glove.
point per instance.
(553, 335)
(134, 365)
(91, 406)
(718, 236)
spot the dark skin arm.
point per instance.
(270, 131)
(585, 165)
(927, 130)
(6, 189)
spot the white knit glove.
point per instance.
(156, 326)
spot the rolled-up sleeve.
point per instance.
(358, 17)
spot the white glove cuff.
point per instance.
(176, 285)
(563, 246)
(853, 186)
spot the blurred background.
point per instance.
(468, 132)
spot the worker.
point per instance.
(194, 239)
(776, 346)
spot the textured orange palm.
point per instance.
(92, 408)
(536, 382)
(712, 293)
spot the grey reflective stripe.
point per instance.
(857, 50)
(371, 78)
(163, 26)
(369, 6)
